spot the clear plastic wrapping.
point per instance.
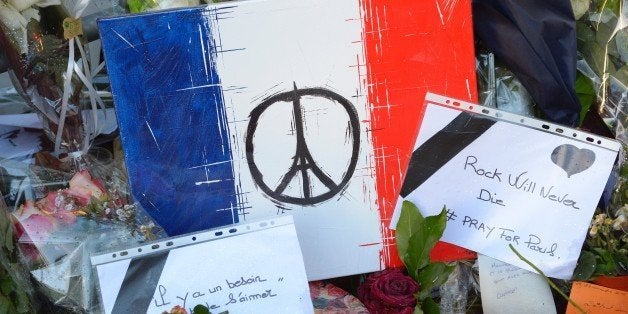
(602, 29)
(74, 202)
(499, 88)
(63, 218)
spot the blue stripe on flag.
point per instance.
(172, 118)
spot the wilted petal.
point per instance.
(37, 228)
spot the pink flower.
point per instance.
(83, 188)
(33, 225)
(56, 204)
(36, 228)
(26, 210)
(389, 291)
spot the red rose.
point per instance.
(389, 291)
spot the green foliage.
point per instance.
(609, 263)
(14, 286)
(200, 309)
(585, 93)
(137, 6)
(409, 221)
(612, 5)
(430, 307)
(433, 275)
(416, 236)
(423, 240)
(585, 267)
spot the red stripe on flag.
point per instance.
(411, 48)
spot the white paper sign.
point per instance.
(507, 179)
(254, 267)
(510, 289)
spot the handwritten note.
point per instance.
(597, 299)
(508, 180)
(510, 289)
(258, 271)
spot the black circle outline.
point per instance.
(290, 98)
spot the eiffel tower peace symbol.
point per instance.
(304, 165)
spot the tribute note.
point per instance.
(256, 267)
(507, 179)
(597, 299)
(509, 289)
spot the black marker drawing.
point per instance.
(303, 161)
(572, 159)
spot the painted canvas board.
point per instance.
(254, 109)
(507, 179)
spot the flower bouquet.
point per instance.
(54, 66)
(602, 34)
(71, 204)
(605, 253)
(410, 291)
(61, 223)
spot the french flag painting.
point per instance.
(251, 109)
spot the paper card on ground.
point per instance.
(106, 120)
(253, 109)
(509, 289)
(596, 299)
(253, 267)
(17, 142)
(507, 179)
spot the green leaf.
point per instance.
(200, 309)
(6, 305)
(622, 76)
(422, 242)
(595, 55)
(612, 5)
(585, 267)
(605, 264)
(24, 303)
(408, 223)
(429, 306)
(417, 309)
(9, 239)
(621, 262)
(137, 6)
(6, 285)
(433, 275)
(584, 32)
(586, 94)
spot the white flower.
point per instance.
(620, 223)
(593, 231)
(598, 220)
(22, 5)
(15, 14)
(15, 23)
